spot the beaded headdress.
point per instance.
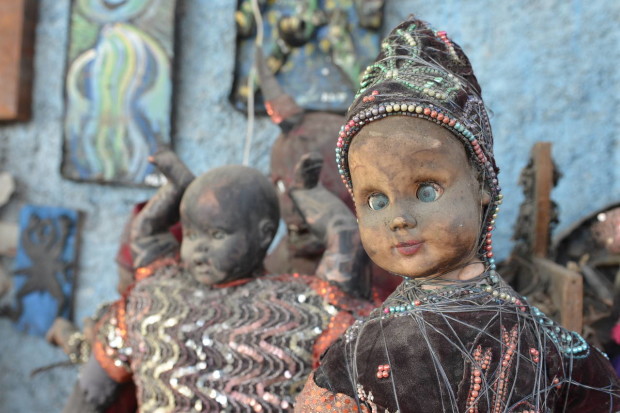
(420, 72)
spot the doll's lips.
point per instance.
(202, 268)
(408, 248)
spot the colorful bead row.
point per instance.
(402, 308)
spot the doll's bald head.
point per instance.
(229, 216)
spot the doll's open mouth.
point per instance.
(408, 248)
(202, 268)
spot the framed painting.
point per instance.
(118, 89)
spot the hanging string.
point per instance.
(258, 18)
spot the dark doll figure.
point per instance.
(207, 330)
(416, 154)
(302, 249)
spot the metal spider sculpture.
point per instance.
(44, 243)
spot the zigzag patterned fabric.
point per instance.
(245, 346)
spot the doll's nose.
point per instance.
(402, 221)
(202, 247)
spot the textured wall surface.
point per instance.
(547, 70)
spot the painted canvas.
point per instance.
(118, 89)
(45, 267)
(316, 48)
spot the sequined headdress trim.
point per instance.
(420, 72)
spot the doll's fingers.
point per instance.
(172, 167)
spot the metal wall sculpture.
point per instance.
(317, 48)
(45, 267)
(118, 89)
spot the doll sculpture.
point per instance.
(207, 330)
(301, 250)
(416, 154)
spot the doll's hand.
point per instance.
(59, 333)
(172, 167)
(320, 208)
(344, 260)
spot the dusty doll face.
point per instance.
(219, 244)
(417, 198)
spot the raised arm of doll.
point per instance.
(150, 236)
(343, 262)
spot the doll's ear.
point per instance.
(486, 196)
(266, 232)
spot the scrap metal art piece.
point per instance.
(317, 48)
(118, 89)
(45, 267)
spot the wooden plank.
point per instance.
(118, 90)
(566, 290)
(543, 184)
(17, 27)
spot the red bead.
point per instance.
(489, 240)
(434, 114)
(379, 375)
(427, 111)
(452, 122)
(489, 254)
(386, 374)
(375, 92)
(446, 120)
(440, 116)
(488, 248)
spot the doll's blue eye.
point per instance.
(377, 201)
(428, 193)
(218, 234)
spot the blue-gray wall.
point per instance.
(547, 69)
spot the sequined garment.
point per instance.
(476, 347)
(241, 347)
